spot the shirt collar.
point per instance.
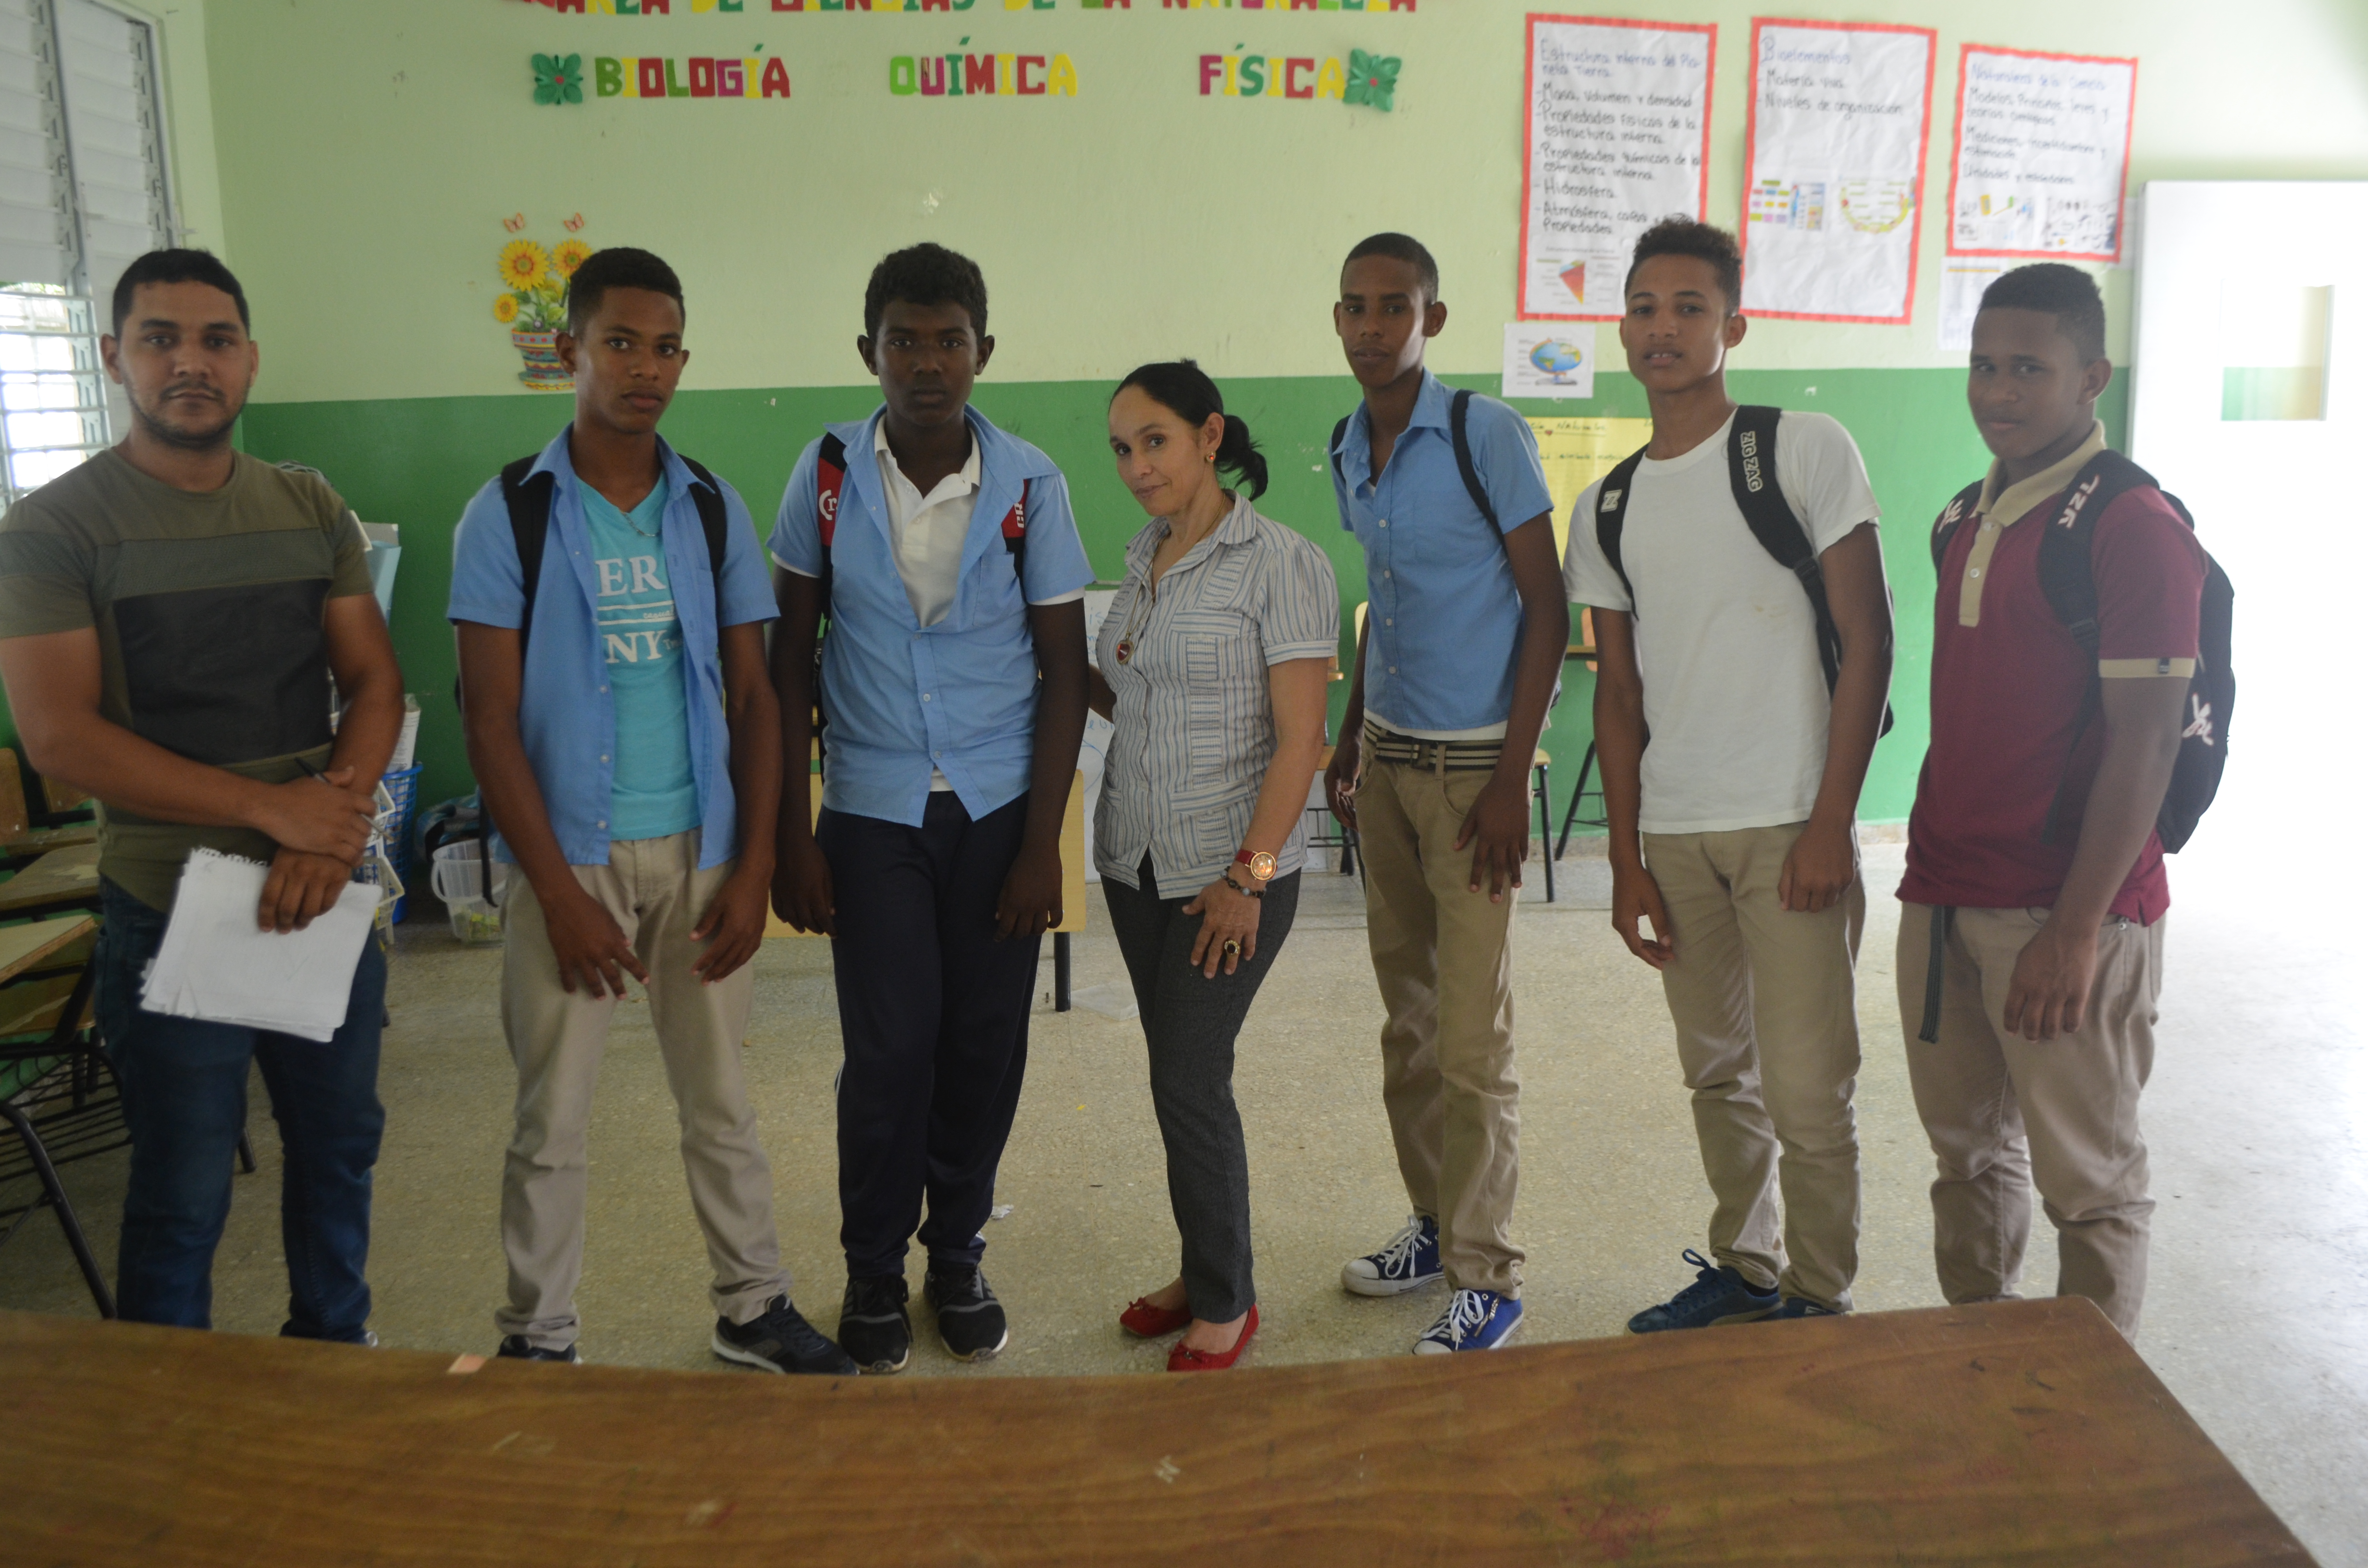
(1431, 408)
(1430, 403)
(2004, 508)
(1240, 527)
(967, 475)
(555, 460)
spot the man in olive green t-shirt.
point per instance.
(171, 613)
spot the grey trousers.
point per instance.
(1190, 1022)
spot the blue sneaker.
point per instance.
(1719, 1294)
(1475, 1320)
(1802, 1307)
(1409, 1262)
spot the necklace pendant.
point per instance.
(1125, 649)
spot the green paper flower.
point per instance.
(558, 81)
(1371, 80)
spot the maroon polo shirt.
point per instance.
(2007, 687)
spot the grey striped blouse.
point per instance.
(1195, 718)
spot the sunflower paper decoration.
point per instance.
(524, 264)
(534, 303)
(558, 81)
(1373, 80)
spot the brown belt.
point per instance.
(1439, 756)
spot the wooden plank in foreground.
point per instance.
(2020, 1432)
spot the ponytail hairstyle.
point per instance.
(1185, 390)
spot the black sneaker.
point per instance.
(779, 1340)
(969, 1320)
(516, 1347)
(873, 1325)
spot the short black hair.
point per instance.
(2064, 292)
(619, 267)
(1680, 235)
(1401, 247)
(177, 266)
(924, 274)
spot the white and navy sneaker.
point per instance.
(1409, 1262)
(1475, 1320)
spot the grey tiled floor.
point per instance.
(2256, 1119)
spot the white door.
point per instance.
(2250, 393)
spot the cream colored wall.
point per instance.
(370, 149)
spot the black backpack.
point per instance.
(2068, 576)
(529, 501)
(527, 496)
(1751, 470)
(1459, 420)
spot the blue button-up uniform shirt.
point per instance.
(1443, 620)
(902, 698)
(567, 718)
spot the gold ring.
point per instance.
(1232, 948)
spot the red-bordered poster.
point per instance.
(1619, 138)
(2043, 153)
(1833, 175)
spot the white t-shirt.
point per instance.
(1734, 695)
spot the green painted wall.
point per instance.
(415, 462)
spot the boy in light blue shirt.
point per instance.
(623, 733)
(953, 694)
(1464, 640)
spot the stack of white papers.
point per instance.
(217, 964)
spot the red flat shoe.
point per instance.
(1184, 1358)
(1146, 1322)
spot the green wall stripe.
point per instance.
(415, 462)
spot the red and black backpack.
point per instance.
(2067, 575)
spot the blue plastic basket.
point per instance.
(402, 789)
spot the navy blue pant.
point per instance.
(184, 1101)
(933, 1010)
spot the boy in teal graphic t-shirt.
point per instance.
(623, 729)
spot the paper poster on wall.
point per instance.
(1548, 361)
(1577, 452)
(1619, 138)
(2043, 153)
(1962, 282)
(1834, 169)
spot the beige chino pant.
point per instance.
(2003, 1112)
(652, 889)
(1765, 1004)
(1443, 957)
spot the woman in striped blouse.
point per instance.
(1212, 663)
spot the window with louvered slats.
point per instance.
(83, 193)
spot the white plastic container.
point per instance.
(457, 878)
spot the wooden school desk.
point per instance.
(61, 878)
(2023, 1432)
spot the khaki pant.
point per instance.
(2003, 1111)
(1443, 956)
(652, 889)
(1765, 1009)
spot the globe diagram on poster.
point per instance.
(1556, 358)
